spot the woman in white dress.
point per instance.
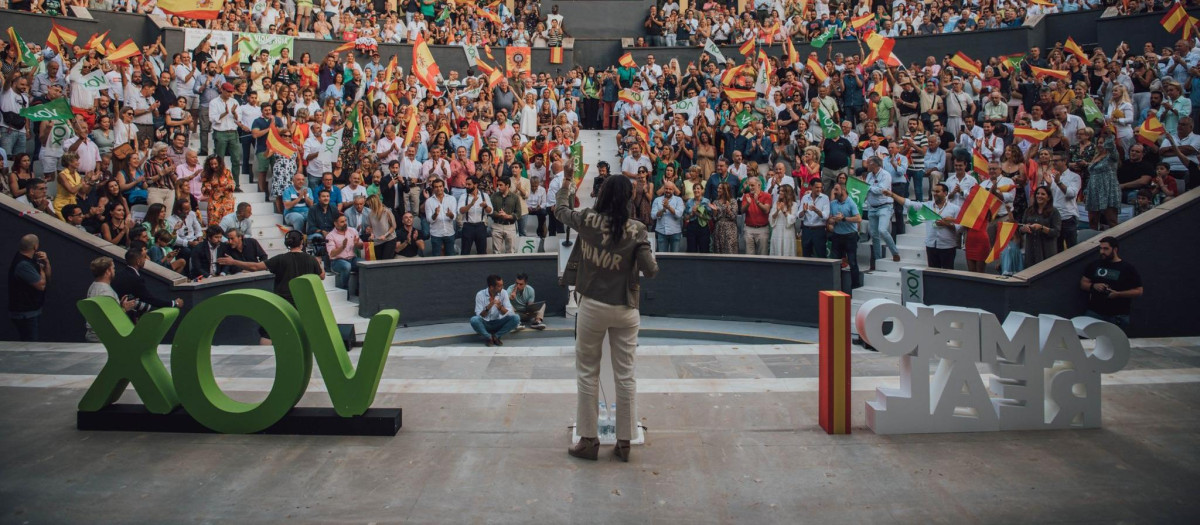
(783, 223)
(527, 116)
(1120, 111)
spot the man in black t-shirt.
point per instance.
(409, 240)
(292, 264)
(1111, 284)
(839, 154)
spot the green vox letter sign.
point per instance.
(296, 336)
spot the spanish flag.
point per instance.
(60, 37)
(344, 47)
(492, 17)
(747, 48)
(881, 88)
(1004, 234)
(1189, 29)
(816, 68)
(965, 64)
(235, 58)
(740, 95)
(881, 49)
(1030, 134)
(731, 74)
(1151, 131)
(410, 131)
(1175, 18)
(626, 60)
(494, 78)
(1074, 49)
(556, 55)
(639, 128)
(1054, 73)
(196, 9)
(308, 75)
(789, 49)
(124, 52)
(860, 22)
(424, 67)
(487, 50)
(974, 212)
(96, 42)
(979, 163)
(277, 144)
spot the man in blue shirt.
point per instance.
(667, 211)
(296, 200)
(723, 175)
(844, 216)
(897, 165)
(879, 210)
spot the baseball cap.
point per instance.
(227, 87)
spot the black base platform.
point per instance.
(312, 421)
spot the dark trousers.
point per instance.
(474, 234)
(247, 152)
(591, 113)
(899, 213)
(385, 250)
(697, 238)
(812, 242)
(941, 257)
(27, 328)
(1068, 234)
(556, 227)
(541, 214)
(846, 245)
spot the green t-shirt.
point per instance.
(883, 111)
(521, 300)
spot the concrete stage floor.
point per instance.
(733, 437)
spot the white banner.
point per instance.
(712, 49)
(331, 147)
(193, 37)
(95, 81)
(472, 53)
(691, 106)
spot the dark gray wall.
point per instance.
(601, 18)
(70, 253)
(1161, 244)
(741, 288)
(1080, 25)
(1136, 30)
(432, 290)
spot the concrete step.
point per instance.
(866, 294)
(882, 280)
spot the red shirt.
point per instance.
(755, 216)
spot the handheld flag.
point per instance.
(1074, 49)
(1091, 112)
(923, 214)
(1175, 18)
(556, 55)
(857, 189)
(1031, 134)
(690, 106)
(979, 163)
(60, 37)
(830, 128)
(965, 64)
(1004, 234)
(740, 95)
(860, 22)
(974, 213)
(57, 109)
(195, 9)
(344, 47)
(424, 67)
(410, 132)
(1053, 73)
(126, 51)
(1012, 61)
(626, 60)
(747, 48)
(577, 162)
(1151, 131)
(360, 131)
(640, 129)
(711, 48)
(96, 42)
(817, 69)
(789, 50)
(487, 50)
(23, 51)
(823, 38)
(277, 144)
(233, 61)
(630, 96)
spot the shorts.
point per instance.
(262, 163)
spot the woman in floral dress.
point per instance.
(725, 212)
(218, 190)
(1103, 192)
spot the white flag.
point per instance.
(95, 81)
(331, 147)
(762, 83)
(472, 53)
(691, 106)
(711, 48)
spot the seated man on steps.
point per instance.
(494, 316)
(522, 298)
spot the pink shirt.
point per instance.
(337, 239)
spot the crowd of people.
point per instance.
(441, 170)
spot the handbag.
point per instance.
(122, 152)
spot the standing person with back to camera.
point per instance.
(612, 250)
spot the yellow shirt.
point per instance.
(63, 197)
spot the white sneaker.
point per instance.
(520, 326)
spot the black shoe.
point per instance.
(587, 448)
(237, 190)
(497, 341)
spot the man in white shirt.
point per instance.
(440, 210)
(941, 235)
(436, 167)
(777, 179)
(494, 317)
(991, 145)
(410, 172)
(959, 183)
(474, 206)
(1000, 186)
(389, 147)
(313, 146)
(1064, 186)
(737, 167)
(145, 108)
(222, 112)
(1071, 124)
(632, 162)
(814, 211)
(13, 100)
(89, 153)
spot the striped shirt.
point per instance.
(916, 160)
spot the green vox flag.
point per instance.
(744, 118)
(1091, 113)
(56, 109)
(23, 51)
(820, 41)
(443, 17)
(577, 161)
(832, 129)
(858, 191)
(918, 215)
(359, 133)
